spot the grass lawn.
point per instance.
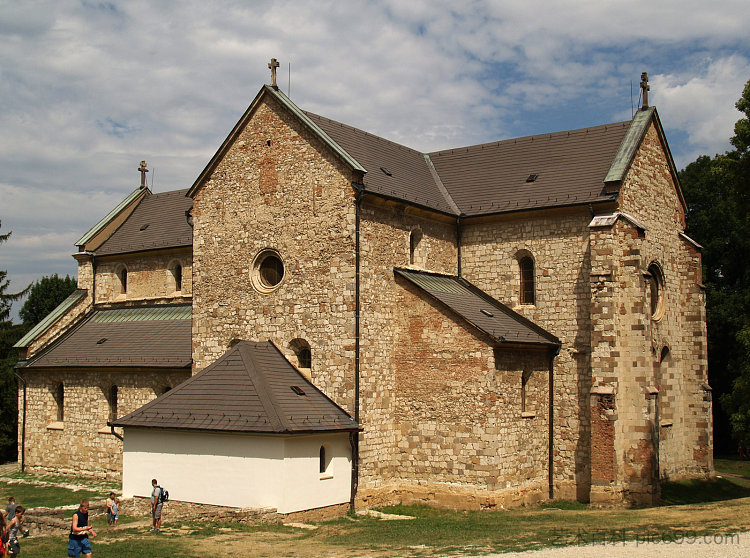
(691, 509)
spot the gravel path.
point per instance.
(710, 546)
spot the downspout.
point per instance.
(354, 436)
(112, 431)
(23, 422)
(551, 419)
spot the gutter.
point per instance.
(23, 421)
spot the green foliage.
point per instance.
(45, 295)
(6, 298)
(718, 193)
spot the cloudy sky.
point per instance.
(88, 89)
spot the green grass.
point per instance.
(697, 491)
(34, 496)
(732, 466)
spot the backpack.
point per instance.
(164, 495)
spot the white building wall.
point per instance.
(237, 470)
(306, 487)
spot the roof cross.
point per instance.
(646, 88)
(143, 170)
(273, 64)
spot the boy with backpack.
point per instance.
(158, 497)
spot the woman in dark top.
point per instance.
(78, 541)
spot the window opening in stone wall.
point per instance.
(524, 390)
(177, 275)
(60, 400)
(526, 268)
(123, 275)
(112, 403)
(656, 291)
(415, 237)
(268, 271)
(301, 349)
(165, 389)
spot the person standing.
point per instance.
(14, 528)
(78, 540)
(110, 513)
(156, 505)
(10, 509)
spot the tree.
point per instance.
(6, 299)
(9, 335)
(44, 297)
(718, 191)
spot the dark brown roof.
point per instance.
(153, 337)
(570, 168)
(393, 170)
(479, 309)
(159, 221)
(251, 388)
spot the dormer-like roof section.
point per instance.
(479, 309)
(251, 388)
(159, 221)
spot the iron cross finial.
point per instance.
(273, 64)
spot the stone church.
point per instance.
(500, 323)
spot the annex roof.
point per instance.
(145, 337)
(250, 388)
(159, 221)
(479, 309)
(51, 318)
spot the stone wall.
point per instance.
(557, 240)
(149, 276)
(82, 443)
(278, 188)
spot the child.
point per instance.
(110, 512)
(115, 507)
(14, 528)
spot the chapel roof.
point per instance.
(144, 337)
(568, 168)
(250, 388)
(159, 221)
(479, 309)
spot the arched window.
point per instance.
(526, 269)
(60, 400)
(303, 352)
(112, 397)
(656, 291)
(123, 276)
(415, 237)
(177, 276)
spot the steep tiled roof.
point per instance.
(490, 178)
(569, 166)
(154, 337)
(393, 170)
(251, 388)
(159, 221)
(479, 309)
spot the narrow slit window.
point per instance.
(415, 237)
(526, 268)
(112, 403)
(123, 280)
(60, 400)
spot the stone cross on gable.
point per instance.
(143, 170)
(273, 64)
(646, 88)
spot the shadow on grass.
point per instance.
(697, 491)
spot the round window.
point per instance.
(268, 271)
(656, 291)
